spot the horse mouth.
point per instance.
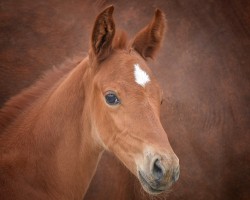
(149, 187)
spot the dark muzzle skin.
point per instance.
(161, 173)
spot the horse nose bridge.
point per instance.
(150, 124)
(149, 114)
(158, 139)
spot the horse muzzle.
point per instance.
(160, 174)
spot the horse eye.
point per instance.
(112, 99)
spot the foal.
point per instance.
(52, 135)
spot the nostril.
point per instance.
(158, 169)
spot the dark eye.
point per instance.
(112, 99)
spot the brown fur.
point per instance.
(20, 102)
(54, 132)
(153, 34)
(203, 69)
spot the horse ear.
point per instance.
(148, 41)
(103, 34)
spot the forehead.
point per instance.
(127, 67)
(129, 76)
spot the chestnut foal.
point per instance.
(53, 133)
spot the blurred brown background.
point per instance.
(203, 67)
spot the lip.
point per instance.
(147, 186)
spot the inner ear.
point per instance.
(103, 34)
(148, 41)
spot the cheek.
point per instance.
(101, 120)
(98, 117)
(110, 125)
(109, 121)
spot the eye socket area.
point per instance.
(111, 98)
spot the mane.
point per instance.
(15, 105)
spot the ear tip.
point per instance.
(157, 10)
(159, 13)
(109, 9)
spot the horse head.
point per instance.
(124, 100)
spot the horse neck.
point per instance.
(58, 128)
(69, 115)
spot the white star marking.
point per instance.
(141, 77)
